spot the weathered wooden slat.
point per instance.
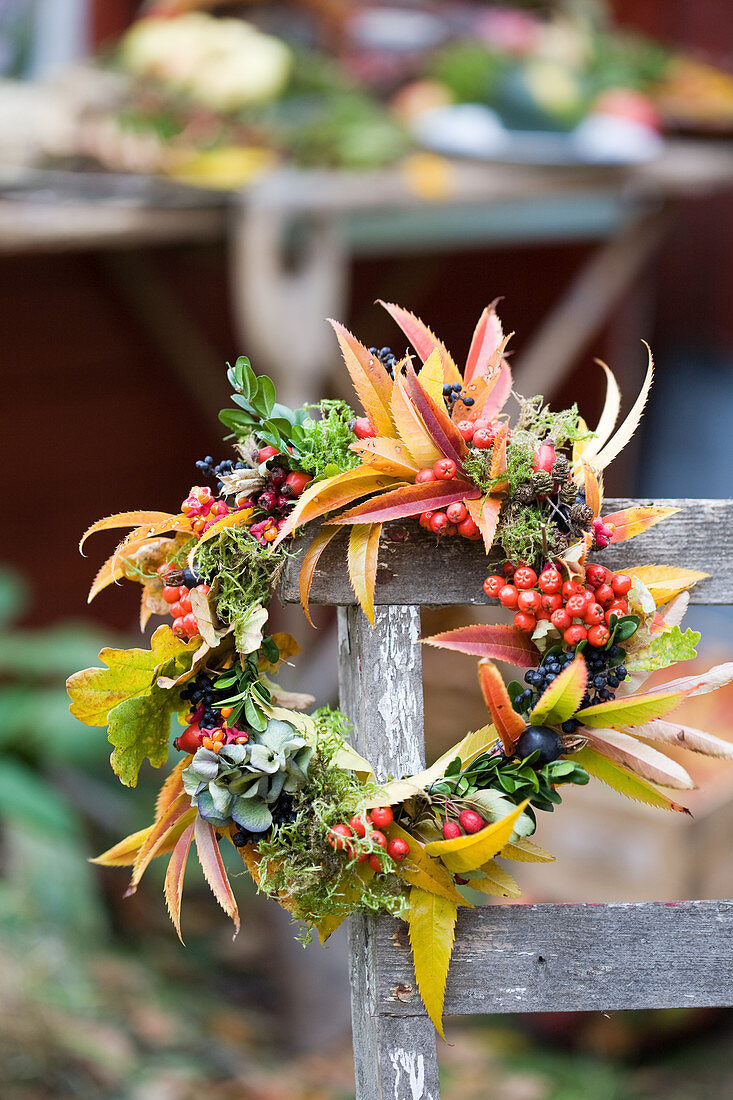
(380, 687)
(420, 570)
(572, 958)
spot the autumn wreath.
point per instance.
(314, 828)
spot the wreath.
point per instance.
(314, 828)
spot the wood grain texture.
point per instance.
(572, 958)
(380, 688)
(422, 570)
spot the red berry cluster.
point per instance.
(482, 435)
(455, 520)
(179, 598)
(360, 837)
(194, 737)
(469, 821)
(579, 611)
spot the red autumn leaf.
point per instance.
(487, 337)
(503, 643)
(422, 339)
(496, 394)
(411, 500)
(442, 429)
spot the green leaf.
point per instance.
(130, 674)
(140, 728)
(432, 931)
(624, 781)
(265, 399)
(665, 649)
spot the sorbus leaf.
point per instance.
(422, 339)
(432, 932)
(624, 781)
(370, 378)
(363, 556)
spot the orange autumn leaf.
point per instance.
(308, 567)
(388, 455)
(509, 724)
(371, 380)
(666, 581)
(634, 521)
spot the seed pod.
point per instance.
(543, 483)
(568, 492)
(524, 494)
(582, 516)
(560, 468)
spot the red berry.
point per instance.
(576, 606)
(529, 600)
(451, 529)
(451, 830)
(493, 586)
(550, 581)
(374, 863)
(598, 635)
(382, 817)
(551, 602)
(267, 453)
(525, 577)
(572, 588)
(593, 615)
(445, 469)
(508, 596)
(358, 825)
(483, 438)
(297, 482)
(425, 475)
(267, 500)
(363, 428)
(470, 821)
(164, 569)
(438, 522)
(621, 607)
(508, 569)
(398, 848)
(468, 529)
(178, 628)
(340, 837)
(189, 740)
(457, 512)
(525, 622)
(621, 584)
(170, 594)
(466, 428)
(277, 475)
(378, 838)
(176, 610)
(560, 619)
(185, 602)
(605, 595)
(575, 634)
(425, 518)
(189, 624)
(544, 458)
(595, 575)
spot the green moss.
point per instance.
(297, 859)
(324, 447)
(524, 532)
(245, 570)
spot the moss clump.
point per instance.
(298, 861)
(525, 532)
(324, 447)
(562, 427)
(244, 569)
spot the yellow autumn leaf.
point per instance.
(495, 881)
(420, 870)
(397, 790)
(468, 853)
(525, 851)
(630, 710)
(125, 852)
(432, 922)
(411, 429)
(363, 555)
(430, 376)
(665, 581)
